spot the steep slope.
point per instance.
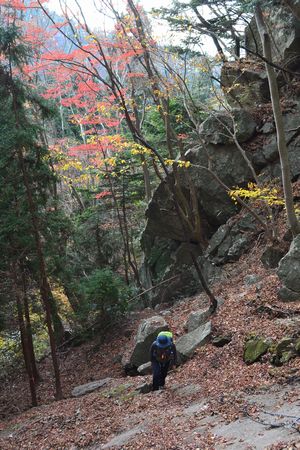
(214, 388)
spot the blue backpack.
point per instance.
(164, 348)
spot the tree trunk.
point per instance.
(281, 142)
(146, 175)
(35, 372)
(24, 336)
(44, 285)
(127, 240)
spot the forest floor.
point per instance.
(214, 401)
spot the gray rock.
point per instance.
(227, 162)
(289, 267)
(186, 282)
(146, 334)
(162, 219)
(144, 388)
(220, 341)
(252, 86)
(218, 128)
(231, 240)
(217, 239)
(251, 279)
(271, 257)
(285, 42)
(239, 246)
(186, 391)
(270, 150)
(122, 438)
(145, 369)
(164, 229)
(187, 344)
(83, 389)
(267, 128)
(247, 223)
(197, 318)
(287, 295)
(196, 408)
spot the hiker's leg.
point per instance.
(164, 371)
(156, 375)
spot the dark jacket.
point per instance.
(172, 349)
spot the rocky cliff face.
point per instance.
(248, 124)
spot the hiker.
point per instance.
(163, 355)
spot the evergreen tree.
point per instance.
(25, 180)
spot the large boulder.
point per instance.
(255, 348)
(219, 127)
(146, 334)
(176, 271)
(197, 318)
(162, 219)
(145, 369)
(272, 256)
(289, 270)
(165, 242)
(285, 40)
(243, 85)
(285, 350)
(266, 158)
(187, 344)
(232, 239)
(225, 161)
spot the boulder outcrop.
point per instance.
(187, 344)
(216, 161)
(288, 272)
(197, 318)
(146, 334)
(220, 127)
(285, 40)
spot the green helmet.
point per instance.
(169, 334)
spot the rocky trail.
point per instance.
(213, 401)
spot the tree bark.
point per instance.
(281, 142)
(24, 336)
(35, 372)
(44, 285)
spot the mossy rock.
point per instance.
(286, 356)
(255, 348)
(120, 391)
(284, 345)
(284, 351)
